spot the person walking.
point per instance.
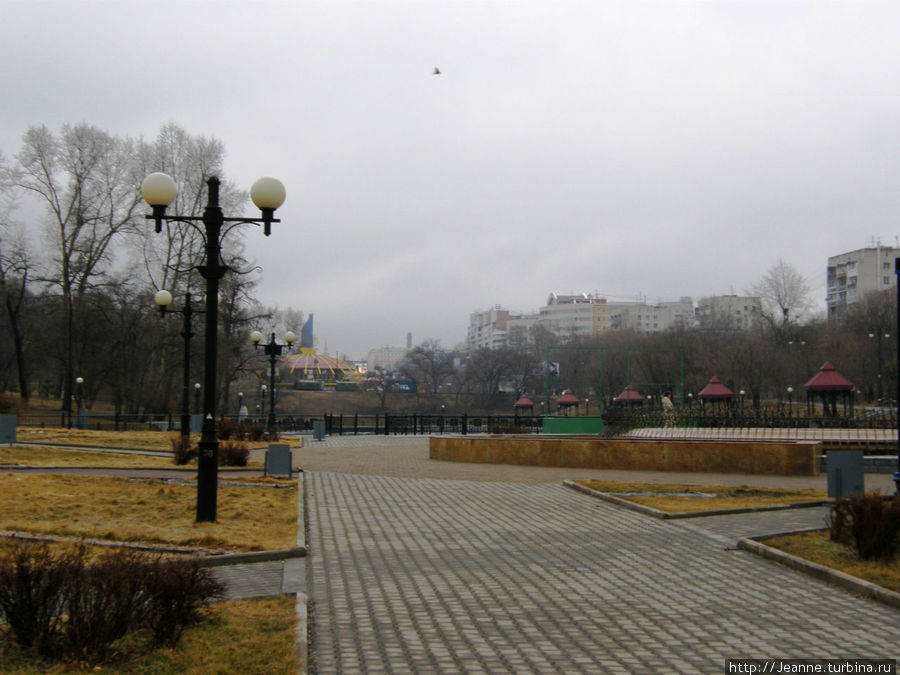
(668, 410)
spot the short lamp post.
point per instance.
(273, 351)
(163, 300)
(79, 399)
(197, 388)
(159, 191)
(742, 394)
(263, 388)
(897, 392)
(790, 393)
(240, 403)
(879, 387)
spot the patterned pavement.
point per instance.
(441, 575)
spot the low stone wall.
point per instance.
(782, 458)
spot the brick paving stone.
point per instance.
(448, 576)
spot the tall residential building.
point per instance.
(487, 329)
(652, 318)
(575, 315)
(729, 312)
(851, 275)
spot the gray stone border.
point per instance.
(754, 545)
(853, 584)
(656, 513)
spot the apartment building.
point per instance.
(851, 275)
(729, 312)
(568, 315)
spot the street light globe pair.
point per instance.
(256, 337)
(158, 190)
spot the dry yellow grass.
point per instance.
(251, 636)
(689, 498)
(818, 548)
(135, 440)
(36, 455)
(139, 440)
(251, 518)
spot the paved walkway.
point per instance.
(419, 566)
(433, 567)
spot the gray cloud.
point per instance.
(645, 147)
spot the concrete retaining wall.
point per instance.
(798, 458)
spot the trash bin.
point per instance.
(319, 430)
(845, 473)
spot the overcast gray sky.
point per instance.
(663, 148)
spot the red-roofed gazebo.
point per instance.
(715, 391)
(828, 383)
(567, 401)
(629, 396)
(524, 403)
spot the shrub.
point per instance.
(176, 591)
(256, 432)
(61, 604)
(226, 429)
(102, 602)
(9, 404)
(869, 523)
(182, 449)
(32, 580)
(233, 453)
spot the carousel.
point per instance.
(310, 365)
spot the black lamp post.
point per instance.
(163, 299)
(897, 393)
(879, 387)
(790, 393)
(273, 351)
(263, 388)
(79, 398)
(240, 403)
(197, 388)
(158, 190)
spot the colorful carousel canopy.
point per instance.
(312, 366)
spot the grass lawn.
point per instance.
(248, 636)
(36, 455)
(237, 637)
(148, 510)
(690, 498)
(133, 440)
(818, 548)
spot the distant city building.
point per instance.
(567, 315)
(385, 358)
(729, 312)
(851, 275)
(487, 329)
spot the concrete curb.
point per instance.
(252, 557)
(834, 577)
(302, 606)
(655, 513)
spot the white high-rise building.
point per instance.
(851, 275)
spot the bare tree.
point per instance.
(427, 363)
(785, 296)
(88, 182)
